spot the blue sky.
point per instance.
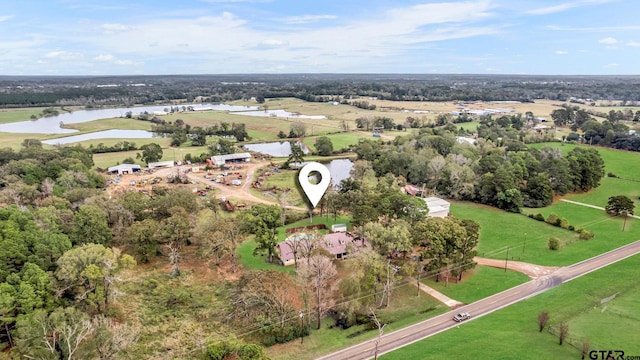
(122, 37)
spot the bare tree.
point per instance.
(112, 337)
(543, 319)
(380, 327)
(563, 331)
(321, 273)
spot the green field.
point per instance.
(339, 141)
(513, 330)
(478, 283)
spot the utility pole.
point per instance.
(506, 260)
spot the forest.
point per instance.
(94, 92)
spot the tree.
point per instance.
(586, 168)
(563, 331)
(543, 319)
(324, 146)
(150, 153)
(620, 205)
(112, 337)
(90, 226)
(299, 129)
(320, 272)
(296, 156)
(88, 273)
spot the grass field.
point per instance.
(478, 283)
(513, 330)
(406, 309)
(339, 141)
(106, 160)
(14, 115)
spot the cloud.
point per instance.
(594, 28)
(114, 27)
(108, 58)
(608, 41)
(62, 55)
(306, 19)
(5, 17)
(561, 52)
(633, 43)
(565, 6)
(612, 65)
(273, 44)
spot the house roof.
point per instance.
(335, 243)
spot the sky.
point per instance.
(160, 37)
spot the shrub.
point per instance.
(539, 217)
(610, 174)
(553, 243)
(564, 223)
(553, 219)
(585, 234)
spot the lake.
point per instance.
(106, 134)
(51, 125)
(339, 169)
(275, 149)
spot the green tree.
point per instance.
(89, 274)
(324, 146)
(90, 226)
(150, 153)
(620, 205)
(296, 156)
(586, 167)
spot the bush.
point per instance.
(585, 234)
(553, 243)
(564, 223)
(553, 219)
(539, 217)
(610, 174)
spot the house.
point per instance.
(219, 160)
(437, 207)
(153, 165)
(337, 244)
(124, 169)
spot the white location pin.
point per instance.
(314, 192)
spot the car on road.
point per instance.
(461, 316)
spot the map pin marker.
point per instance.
(314, 192)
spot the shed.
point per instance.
(437, 207)
(223, 159)
(338, 228)
(169, 163)
(124, 169)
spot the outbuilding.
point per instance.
(124, 169)
(223, 159)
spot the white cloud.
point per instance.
(114, 27)
(612, 65)
(112, 59)
(5, 17)
(595, 28)
(561, 52)
(273, 44)
(104, 57)
(62, 55)
(565, 6)
(608, 41)
(633, 43)
(306, 19)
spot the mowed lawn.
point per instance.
(339, 141)
(512, 333)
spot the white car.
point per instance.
(461, 316)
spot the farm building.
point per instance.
(338, 228)
(223, 159)
(437, 207)
(337, 244)
(169, 163)
(124, 169)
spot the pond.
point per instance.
(280, 114)
(51, 125)
(106, 134)
(339, 169)
(275, 149)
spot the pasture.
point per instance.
(514, 331)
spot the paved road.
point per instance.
(483, 307)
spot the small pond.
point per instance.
(275, 149)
